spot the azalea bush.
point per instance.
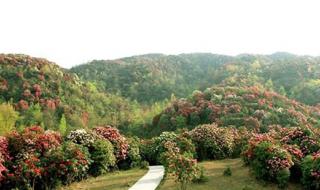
(268, 160)
(212, 142)
(152, 150)
(81, 136)
(38, 159)
(180, 165)
(119, 142)
(101, 154)
(25, 168)
(68, 163)
(34, 158)
(33, 140)
(302, 138)
(134, 158)
(311, 172)
(148, 152)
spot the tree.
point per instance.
(8, 118)
(63, 125)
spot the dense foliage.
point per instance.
(102, 155)
(181, 165)
(41, 159)
(212, 142)
(119, 142)
(252, 107)
(282, 154)
(45, 94)
(152, 150)
(154, 77)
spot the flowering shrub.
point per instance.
(67, 163)
(101, 153)
(241, 137)
(182, 166)
(268, 160)
(40, 160)
(248, 153)
(25, 171)
(311, 172)
(33, 140)
(153, 149)
(134, 158)
(4, 156)
(101, 150)
(301, 138)
(148, 152)
(119, 142)
(295, 152)
(212, 142)
(81, 136)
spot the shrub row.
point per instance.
(39, 159)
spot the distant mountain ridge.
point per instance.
(155, 77)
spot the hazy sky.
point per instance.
(72, 32)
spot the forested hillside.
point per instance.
(154, 77)
(42, 93)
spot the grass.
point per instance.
(120, 180)
(241, 179)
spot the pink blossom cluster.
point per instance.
(315, 171)
(4, 156)
(276, 164)
(120, 142)
(295, 151)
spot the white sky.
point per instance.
(72, 32)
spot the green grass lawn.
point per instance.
(240, 178)
(120, 180)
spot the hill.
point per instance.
(154, 77)
(42, 93)
(251, 107)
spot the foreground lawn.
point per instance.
(241, 178)
(121, 180)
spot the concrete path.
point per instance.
(151, 180)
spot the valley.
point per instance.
(231, 122)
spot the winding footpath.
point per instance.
(151, 180)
